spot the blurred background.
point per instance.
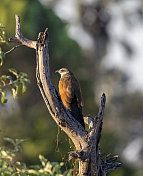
(101, 41)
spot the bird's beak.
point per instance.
(57, 71)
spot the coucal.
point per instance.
(70, 93)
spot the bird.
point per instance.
(70, 92)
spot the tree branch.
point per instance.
(54, 104)
(87, 144)
(13, 49)
(19, 37)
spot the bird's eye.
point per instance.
(62, 70)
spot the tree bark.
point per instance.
(87, 143)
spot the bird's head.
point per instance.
(63, 71)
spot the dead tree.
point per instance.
(87, 143)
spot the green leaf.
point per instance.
(1, 60)
(3, 99)
(10, 140)
(2, 34)
(2, 56)
(43, 160)
(14, 93)
(3, 79)
(26, 80)
(13, 71)
(68, 173)
(15, 89)
(19, 141)
(23, 74)
(18, 87)
(23, 88)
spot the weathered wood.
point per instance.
(87, 143)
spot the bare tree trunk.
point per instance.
(91, 161)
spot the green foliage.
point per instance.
(15, 84)
(2, 56)
(16, 81)
(2, 40)
(10, 166)
(2, 34)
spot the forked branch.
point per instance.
(87, 143)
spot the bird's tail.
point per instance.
(76, 112)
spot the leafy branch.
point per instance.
(17, 81)
(10, 166)
(17, 84)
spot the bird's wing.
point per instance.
(69, 90)
(77, 92)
